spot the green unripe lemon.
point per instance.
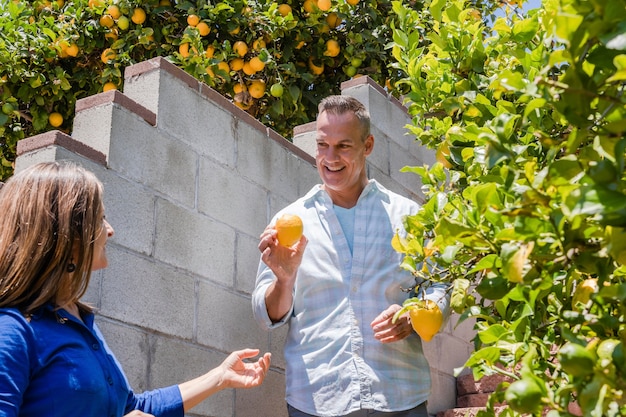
(524, 396)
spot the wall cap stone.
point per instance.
(58, 138)
(116, 97)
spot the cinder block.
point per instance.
(443, 390)
(130, 211)
(130, 347)
(247, 260)
(198, 244)
(142, 153)
(142, 292)
(221, 189)
(175, 361)
(265, 400)
(225, 320)
(380, 155)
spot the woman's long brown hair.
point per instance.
(50, 215)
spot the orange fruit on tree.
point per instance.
(315, 69)
(95, 3)
(193, 20)
(203, 28)
(247, 68)
(332, 48)
(114, 11)
(257, 64)
(112, 35)
(240, 48)
(426, 319)
(309, 5)
(210, 51)
(139, 16)
(289, 229)
(72, 50)
(324, 5)
(106, 20)
(239, 88)
(108, 55)
(183, 49)
(333, 20)
(258, 44)
(236, 64)
(284, 9)
(109, 86)
(256, 89)
(352, 2)
(55, 119)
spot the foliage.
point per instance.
(55, 52)
(527, 202)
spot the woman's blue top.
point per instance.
(54, 365)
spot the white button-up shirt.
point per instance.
(335, 366)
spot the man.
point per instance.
(344, 355)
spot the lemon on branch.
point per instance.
(426, 317)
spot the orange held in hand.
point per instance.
(289, 228)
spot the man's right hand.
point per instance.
(284, 263)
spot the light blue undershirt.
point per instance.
(346, 220)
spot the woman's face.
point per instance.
(99, 249)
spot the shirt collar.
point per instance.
(319, 194)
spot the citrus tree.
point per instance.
(526, 207)
(275, 60)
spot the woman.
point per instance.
(53, 358)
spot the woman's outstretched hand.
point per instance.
(240, 374)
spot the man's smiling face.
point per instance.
(340, 157)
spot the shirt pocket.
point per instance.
(81, 372)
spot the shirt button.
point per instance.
(110, 380)
(95, 346)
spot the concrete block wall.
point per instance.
(190, 183)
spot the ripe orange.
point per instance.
(210, 51)
(107, 55)
(72, 50)
(257, 64)
(193, 20)
(256, 89)
(284, 9)
(315, 69)
(324, 5)
(203, 29)
(139, 16)
(352, 2)
(106, 21)
(55, 119)
(236, 64)
(258, 44)
(241, 48)
(247, 69)
(332, 48)
(289, 229)
(114, 11)
(109, 86)
(309, 5)
(333, 20)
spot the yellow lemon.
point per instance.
(426, 320)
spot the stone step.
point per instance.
(466, 411)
